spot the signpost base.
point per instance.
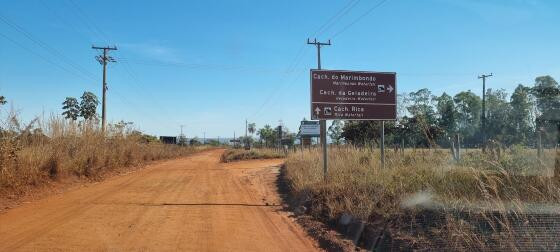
(382, 144)
(323, 125)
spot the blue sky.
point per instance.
(211, 64)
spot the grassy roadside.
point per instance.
(357, 186)
(232, 155)
(60, 149)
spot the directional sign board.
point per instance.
(309, 129)
(352, 95)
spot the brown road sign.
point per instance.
(352, 95)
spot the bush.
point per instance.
(237, 155)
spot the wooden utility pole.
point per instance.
(322, 123)
(483, 129)
(103, 59)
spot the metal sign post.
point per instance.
(382, 144)
(323, 123)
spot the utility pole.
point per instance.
(103, 59)
(483, 129)
(246, 140)
(182, 137)
(322, 123)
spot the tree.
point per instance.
(213, 142)
(71, 108)
(289, 139)
(252, 128)
(422, 110)
(195, 141)
(361, 133)
(447, 114)
(547, 92)
(469, 108)
(248, 140)
(267, 134)
(335, 131)
(521, 119)
(88, 106)
(498, 111)
(2, 100)
(547, 95)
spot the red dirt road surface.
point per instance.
(190, 204)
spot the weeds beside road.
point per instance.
(357, 186)
(255, 153)
(32, 156)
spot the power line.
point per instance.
(339, 15)
(299, 56)
(42, 57)
(275, 101)
(359, 18)
(140, 84)
(63, 20)
(274, 91)
(76, 69)
(99, 33)
(119, 95)
(47, 47)
(86, 20)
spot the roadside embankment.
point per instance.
(423, 199)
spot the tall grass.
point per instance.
(356, 184)
(39, 152)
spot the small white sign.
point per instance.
(309, 128)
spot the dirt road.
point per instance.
(188, 204)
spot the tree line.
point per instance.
(426, 120)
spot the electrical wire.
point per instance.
(337, 17)
(299, 55)
(46, 47)
(43, 57)
(359, 18)
(66, 22)
(86, 20)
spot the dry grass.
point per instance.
(41, 152)
(479, 183)
(260, 153)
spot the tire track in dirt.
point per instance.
(193, 203)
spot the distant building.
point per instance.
(168, 139)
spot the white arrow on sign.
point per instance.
(390, 88)
(317, 110)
